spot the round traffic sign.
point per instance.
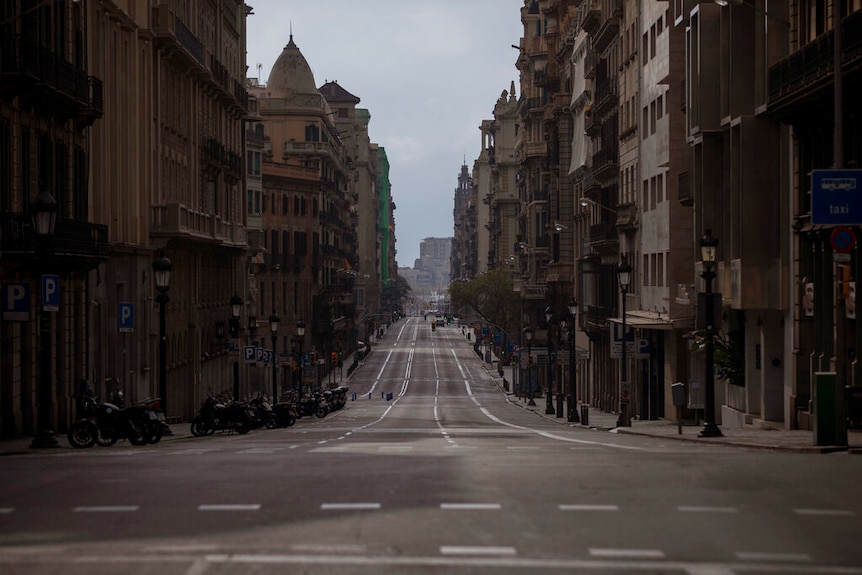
(843, 239)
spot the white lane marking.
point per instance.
(190, 548)
(6, 509)
(766, 556)
(324, 548)
(105, 508)
(471, 506)
(190, 451)
(229, 507)
(476, 550)
(586, 507)
(706, 509)
(827, 512)
(348, 506)
(496, 419)
(198, 567)
(628, 553)
(257, 450)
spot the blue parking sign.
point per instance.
(126, 317)
(16, 302)
(50, 292)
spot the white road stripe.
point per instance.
(191, 548)
(323, 548)
(628, 553)
(589, 507)
(476, 550)
(705, 509)
(471, 506)
(827, 512)
(6, 509)
(348, 506)
(105, 508)
(229, 507)
(764, 556)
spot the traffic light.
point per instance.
(333, 358)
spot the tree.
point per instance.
(490, 296)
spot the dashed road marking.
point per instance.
(826, 512)
(105, 508)
(766, 556)
(585, 507)
(706, 509)
(471, 506)
(349, 506)
(229, 507)
(477, 550)
(628, 553)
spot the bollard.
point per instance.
(354, 397)
(369, 395)
(585, 415)
(389, 396)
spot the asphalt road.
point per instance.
(449, 476)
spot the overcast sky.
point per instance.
(428, 71)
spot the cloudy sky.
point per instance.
(429, 72)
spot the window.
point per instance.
(659, 188)
(645, 123)
(652, 42)
(659, 107)
(645, 49)
(652, 117)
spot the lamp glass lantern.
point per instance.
(573, 307)
(162, 269)
(708, 245)
(273, 323)
(528, 334)
(300, 328)
(235, 306)
(624, 271)
(44, 214)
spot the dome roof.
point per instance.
(290, 74)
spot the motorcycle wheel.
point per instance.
(82, 434)
(104, 441)
(199, 427)
(289, 419)
(242, 426)
(154, 431)
(137, 433)
(321, 412)
(272, 421)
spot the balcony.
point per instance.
(175, 221)
(610, 26)
(172, 35)
(42, 77)
(810, 69)
(606, 96)
(605, 164)
(592, 17)
(215, 153)
(545, 79)
(77, 245)
(590, 65)
(536, 149)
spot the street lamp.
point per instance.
(300, 337)
(528, 335)
(273, 328)
(162, 274)
(573, 364)
(44, 218)
(235, 309)
(624, 271)
(549, 404)
(708, 245)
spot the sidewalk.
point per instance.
(757, 436)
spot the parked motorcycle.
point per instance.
(262, 414)
(314, 404)
(105, 424)
(285, 414)
(214, 416)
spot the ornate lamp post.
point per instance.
(624, 271)
(273, 328)
(162, 272)
(549, 403)
(44, 219)
(528, 335)
(708, 245)
(235, 309)
(300, 337)
(573, 364)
